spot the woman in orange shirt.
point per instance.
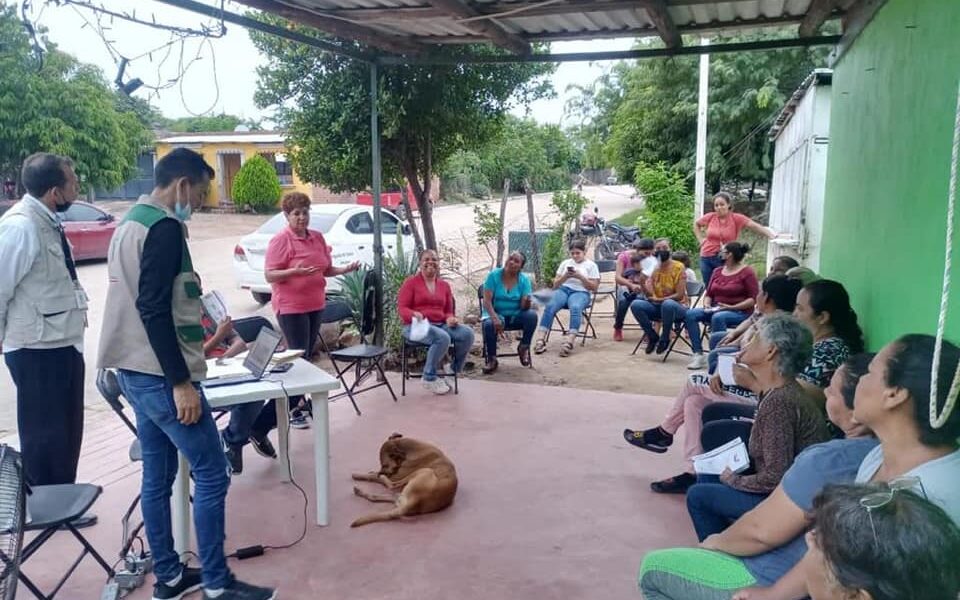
(716, 228)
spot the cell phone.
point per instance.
(570, 269)
(282, 367)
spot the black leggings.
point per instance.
(724, 421)
(301, 331)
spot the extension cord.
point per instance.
(111, 591)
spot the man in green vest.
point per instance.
(152, 335)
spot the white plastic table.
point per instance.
(303, 378)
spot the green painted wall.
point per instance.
(891, 128)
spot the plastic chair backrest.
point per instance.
(109, 388)
(694, 288)
(372, 304)
(607, 266)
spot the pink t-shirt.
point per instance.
(733, 289)
(302, 293)
(720, 231)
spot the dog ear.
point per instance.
(395, 435)
(396, 453)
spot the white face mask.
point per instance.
(182, 211)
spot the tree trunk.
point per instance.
(423, 203)
(503, 216)
(534, 251)
(414, 228)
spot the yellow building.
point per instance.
(227, 151)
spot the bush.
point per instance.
(551, 255)
(256, 185)
(461, 177)
(668, 206)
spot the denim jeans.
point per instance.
(715, 352)
(624, 301)
(564, 297)
(439, 339)
(161, 436)
(714, 505)
(243, 418)
(719, 321)
(667, 312)
(708, 264)
(525, 320)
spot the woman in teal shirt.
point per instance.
(506, 307)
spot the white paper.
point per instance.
(725, 364)
(649, 265)
(733, 455)
(215, 306)
(419, 329)
(218, 368)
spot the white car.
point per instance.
(348, 229)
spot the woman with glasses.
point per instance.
(882, 543)
(761, 550)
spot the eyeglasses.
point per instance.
(877, 500)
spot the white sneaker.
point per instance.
(699, 361)
(448, 369)
(437, 386)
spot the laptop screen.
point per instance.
(258, 358)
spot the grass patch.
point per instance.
(630, 218)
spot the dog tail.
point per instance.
(390, 515)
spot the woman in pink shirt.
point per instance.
(297, 265)
(425, 296)
(716, 228)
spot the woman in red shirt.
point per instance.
(716, 228)
(729, 299)
(297, 265)
(426, 296)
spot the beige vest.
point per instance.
(123, 340)
(48, 309)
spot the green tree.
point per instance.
(67, 108)
(524, 149)
(221, 122)
(426, 113)
(256, 185)
(647, 112)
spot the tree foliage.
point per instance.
(256, 185)
(66, 107)
(668, 206)
(426, 113)
(221, 122)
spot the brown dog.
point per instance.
(425, 477)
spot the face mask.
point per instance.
(663, 255)
(182, 211)
(62, 208)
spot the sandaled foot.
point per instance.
(566, 348)
(540, 347)
(523, 351)
(490, 367)
(655, 439)
(678, 484)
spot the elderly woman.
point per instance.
(892, 400)
(715, 229)
(728, 301)
(425, 296)
(506, 307)
(577, 277)
(786, 422)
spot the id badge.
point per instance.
(81, 297)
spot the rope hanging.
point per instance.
(939, 420)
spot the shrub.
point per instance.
(256, 185)
(668, 205)
(552, 255)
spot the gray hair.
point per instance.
(791, 338)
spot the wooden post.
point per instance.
(503, 216)
(534, 251)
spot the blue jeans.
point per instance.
(564, 297)
(715, 352)
(525, 320)
(439, 340)
(667, 312)
(719, 321)
(713, 505)
(161, 436)
(244, 419)
(708, 264)
(624, 300)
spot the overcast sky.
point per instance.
(230, 86)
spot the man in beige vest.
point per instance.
(43, 311)
(152, 335)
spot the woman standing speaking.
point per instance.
(716, 228)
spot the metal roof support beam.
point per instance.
(428, 59)
(854, 22)
(660, 16)
(817, 15)
(487, 27)
(336, 27)
(243, 21)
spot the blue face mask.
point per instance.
(183, 211)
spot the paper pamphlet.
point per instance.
(732, 455)
(649, 265)
(215, 306)
(725, 364)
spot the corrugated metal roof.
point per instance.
(517, 22)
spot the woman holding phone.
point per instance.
(577, 277)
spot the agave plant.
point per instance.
(396, 268)
(351, 292)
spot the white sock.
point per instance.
(214, 593)
(175, 581)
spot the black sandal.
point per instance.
(523, 351)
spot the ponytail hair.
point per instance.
(830, 296)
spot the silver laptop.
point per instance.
(256, 362)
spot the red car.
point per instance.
(89, 230)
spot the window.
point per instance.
(362, 224)
(83, 213)
(281, 166)
(318, 222)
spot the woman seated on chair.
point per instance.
(577, 278)
(728, 301)
(506, 307)
(427, 296)
(665, 301)
(787, 420)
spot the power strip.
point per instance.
(111, 591)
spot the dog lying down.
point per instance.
(426, 478)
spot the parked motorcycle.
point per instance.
(614, 238)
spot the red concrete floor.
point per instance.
(552, 502)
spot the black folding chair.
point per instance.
(484, 347)
(605, 290)
(364, 359)
(695, 290)
(586, 330)
(334, 312)
(408, 349)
